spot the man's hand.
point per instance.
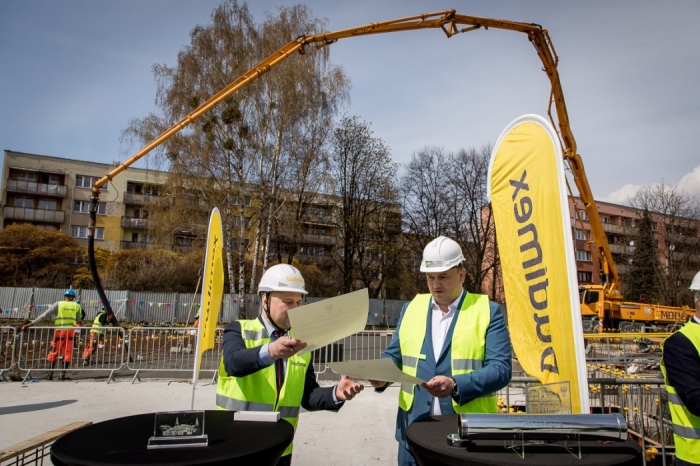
(440, 386)
(379, 383)
(285, 348)
(25, 327)
(347, 389)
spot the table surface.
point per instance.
(427, 439)
(124, 441)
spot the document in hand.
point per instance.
(324, 322)
(374, 369)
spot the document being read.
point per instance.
(324, 322)
(375, 369)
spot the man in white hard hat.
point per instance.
(260, 369)
(455, 340)
(680, 365)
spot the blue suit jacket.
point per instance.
(495, 374)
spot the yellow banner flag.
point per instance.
(528, 196)
(212, 289)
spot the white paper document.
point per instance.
(324, 322)
(374, 369)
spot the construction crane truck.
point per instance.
(601, 302)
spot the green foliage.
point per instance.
(641, 279)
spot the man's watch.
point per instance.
(455, 389)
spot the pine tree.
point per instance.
(641, 279)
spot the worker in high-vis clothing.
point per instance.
(456, 341)
(260, 369)
(69, 314)
(680, 365)
(97, 333)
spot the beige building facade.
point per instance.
(53, 192)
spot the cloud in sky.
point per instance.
(689, 185)
(75, 73)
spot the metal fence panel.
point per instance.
(43, 298)
(154, 308)
(169, 349)
(36, 343)
(15, 302)
(92, 303)
(7, 348)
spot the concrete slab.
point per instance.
(362, 433)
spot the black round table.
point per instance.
(427, 440)
(124, 441)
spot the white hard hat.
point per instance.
(695, 284)
(441, 254)
(282, 277)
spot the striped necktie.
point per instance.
(279, 365)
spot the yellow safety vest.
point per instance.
(468, 346)
(258, 391)
(97, 326)
(67, 314)
(686, 426)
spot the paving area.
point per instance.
(361, 433)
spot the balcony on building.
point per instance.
(135, 223)
(612, 228)
(33, 215)
(32, 187)
(317, 239)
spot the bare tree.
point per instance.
(471, 223)
(364, 177)
(676, 217)
(238, 156)
(426, 195)
(445, 194)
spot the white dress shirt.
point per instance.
(441, 324)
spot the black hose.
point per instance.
(91, 255)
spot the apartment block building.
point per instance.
(54, 192)
(677, 240)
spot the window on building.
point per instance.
(26, 202)
(84, 207)
(50, 178)
(82, 232)
(581, 235)
(23, 175)
(150, 190)
(184, 241)
(139, 238)
(47, 204)
(583, 215)
(84, 181)
(604, 219)
(585, 277)
(584, 256)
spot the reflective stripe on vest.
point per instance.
(467, 352)
(258, 391)
(67, 314)
(97, 326)
(686, 426)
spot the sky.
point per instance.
(73, 74)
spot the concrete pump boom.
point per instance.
(451, 23)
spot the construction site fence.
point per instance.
(612, 384)
(172, 348)
(162, 308)
(114, 350)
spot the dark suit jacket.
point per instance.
(240, 361)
